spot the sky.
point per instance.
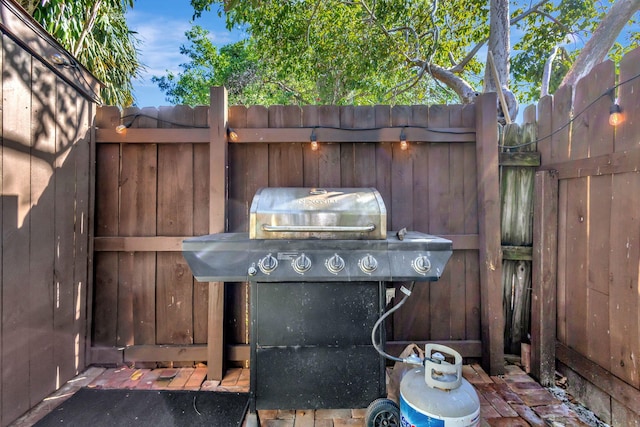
(161, 25)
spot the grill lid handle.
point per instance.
(317, 228)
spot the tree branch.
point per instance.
(87, 28)
(596, 49)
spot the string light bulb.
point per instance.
(403, 141)
(60, 60)
(314, 140)
(232, 135)
(615, 114)
(122, 129)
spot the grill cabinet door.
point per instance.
(312, 346)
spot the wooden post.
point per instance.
(544, 275)
(218, 147)
(490, 255)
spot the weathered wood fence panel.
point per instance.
(46, 190)
(143, 298)
(425, 188)
(598, 228)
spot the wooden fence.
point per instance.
(46, 189)
(586, 311)
(158, 186)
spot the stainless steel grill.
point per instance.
(317, 234)
(317, 261)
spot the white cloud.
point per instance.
(162, 33)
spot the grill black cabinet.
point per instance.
(311, 345)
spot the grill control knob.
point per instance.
(252, 271)
(368, 264)
(268, 264)
(301, 264)
(335, 264)
(421, 264)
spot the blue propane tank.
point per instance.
(437, 394)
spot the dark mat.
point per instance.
(158, 408)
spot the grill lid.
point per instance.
(318, 213)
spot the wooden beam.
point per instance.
(614, 163)
(284, 135)
(384, 134)
(106, 356)
(520, 159)
(154, 136)
(624, 393)
(490, 256)
(139, 244)
(517, 253)
(218, 186)
(165, 353)
(544, 276)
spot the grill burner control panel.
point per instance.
(235, 257)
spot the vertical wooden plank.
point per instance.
(561, 285)
(200, 224)
(543, 302)
(456, 266)
(598, 248)
(329, 169)
(238, 221)
(472, 272)
(174, 299)
(576, 263)
(285, 159)
(218, 149)
(311, 158)
(600, 137)
(64, 314)
(562, 110)
(42, 370)
(347, 149)
(239, 165)
(420, 151)
(623, 288)
(545, 112)
(365, 153)
(16, 172)
(384, 156)
(257, 162)
(81, 250)
(627, 132)
(107, 206)
(439, 203)
(489, 235)
(127, 219)
(401, 175)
